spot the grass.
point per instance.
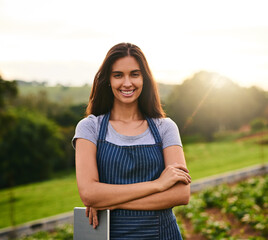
(39, 200)
(206, 159)
(60, 195)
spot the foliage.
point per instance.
(8, 90)
(247, 201)
(29, 124)
(64, 232)
(207, 103)
(258, 124)
(30, 148)
(63, 114)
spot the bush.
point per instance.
(64, 232)
(258, 124)
(30, 148)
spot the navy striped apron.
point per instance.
(133, 164)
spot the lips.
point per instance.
(127, 93)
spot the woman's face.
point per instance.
(126, 80)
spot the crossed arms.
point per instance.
(172, 188)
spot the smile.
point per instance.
(127, 93)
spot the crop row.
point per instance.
(247, 201)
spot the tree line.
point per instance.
(36, 133)
(208, 103)
(35, 136)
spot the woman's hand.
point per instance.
(92, 215)
(172, 174)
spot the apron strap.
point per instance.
(154, 130)
(104, 126)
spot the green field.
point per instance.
(60, 195)
(206, 159)
(40, 200)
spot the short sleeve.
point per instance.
(87, 129)
(169, 132)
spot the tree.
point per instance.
(8, 90)
(30, 149)
(258, 124)
(207, 103)
(30, 143)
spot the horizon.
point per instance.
(46, 84)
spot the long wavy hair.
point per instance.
(101, 97)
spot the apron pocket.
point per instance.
(134, 227)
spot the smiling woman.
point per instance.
(129, 157)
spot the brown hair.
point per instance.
(101, 96)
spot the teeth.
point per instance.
(127, 91)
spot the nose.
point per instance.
(127, 82)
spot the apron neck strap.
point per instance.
(154, 130)
(104, 127)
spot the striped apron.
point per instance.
(133, 164)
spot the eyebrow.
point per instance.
(136, 70)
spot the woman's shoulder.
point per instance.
(168, 131)
(91, 121)
(88, 128)
(164, 123)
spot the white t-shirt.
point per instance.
(88, 128)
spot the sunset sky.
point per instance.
(62, 41)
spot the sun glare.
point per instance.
(178, 38)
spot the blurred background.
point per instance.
(209, 58)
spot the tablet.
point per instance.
(84, 231)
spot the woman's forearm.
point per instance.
(102, 195)
(177, 195)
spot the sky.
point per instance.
(65, 41)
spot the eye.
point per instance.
(117, 75)
(135, 74)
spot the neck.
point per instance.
(125, 112)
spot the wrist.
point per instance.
(157, 186)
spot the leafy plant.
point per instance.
(64, 232)
(248, 201)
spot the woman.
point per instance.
(128, 155)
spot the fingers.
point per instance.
(180, 173)
(180, 166)
(92, 215)
(87, 211)
(181, 176)
(95, 220)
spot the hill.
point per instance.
(71, 95)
